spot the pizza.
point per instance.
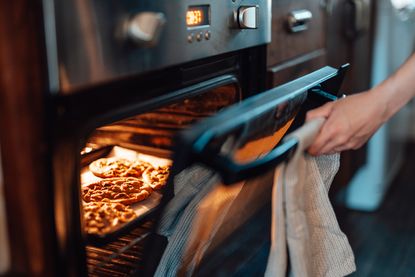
(125, 190)
(136, 169)
(109, 167)
(156, 177)
(102, 217)
(117, 167)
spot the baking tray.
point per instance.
(142, 209)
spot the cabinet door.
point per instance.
(295, 68)
(339, 32)
(298, 40)
(350, 41)
(294, 33)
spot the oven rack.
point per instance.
(122, 257)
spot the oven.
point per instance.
(176, 88)
(125, 78)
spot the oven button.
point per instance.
(247, 17)
(190, 38)
(207, 35)
(199, 36)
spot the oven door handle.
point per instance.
(232, 172)
(277, 105)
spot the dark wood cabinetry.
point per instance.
(293, 53)
(298, 66)
(287, 44)
(23, 141)
(339, 32)
(350, 29)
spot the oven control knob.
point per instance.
(247, 17)
(144, 28)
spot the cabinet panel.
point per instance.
(295, 68)
(346, 46)
(285, 44)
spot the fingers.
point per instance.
(348, 125)
(319, 143)
(331, 147)
(323, 111)
(334, 141)
(331, 138)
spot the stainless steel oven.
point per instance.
(125, 78)
(176, 84)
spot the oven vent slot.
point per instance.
(210, 70)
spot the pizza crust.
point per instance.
(136, 169)
(156, 177)
(109, 167)
(125, 190)
(117, 167)
(102, 217)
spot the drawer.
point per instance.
(287, 44)
(295, 68)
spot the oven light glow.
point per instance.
(86, 150)
(194, 17)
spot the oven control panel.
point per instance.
(91, 42)
(198, 23)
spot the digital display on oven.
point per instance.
(198, 16)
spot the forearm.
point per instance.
(397, 90)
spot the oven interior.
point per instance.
(146, 138)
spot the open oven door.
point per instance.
(215, 212)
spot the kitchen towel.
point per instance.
(303, 220)
(191, 186)
(203, 213)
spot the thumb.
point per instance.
(323, 111)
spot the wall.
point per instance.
(402, 30)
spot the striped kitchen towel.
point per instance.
(304, 223)
(191, 186)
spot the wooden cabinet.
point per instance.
(297, 67)
(339, 32)
(287, 44)
(350, 30)
(296, 52)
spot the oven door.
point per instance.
(216, 208)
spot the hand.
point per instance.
(350, 122)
